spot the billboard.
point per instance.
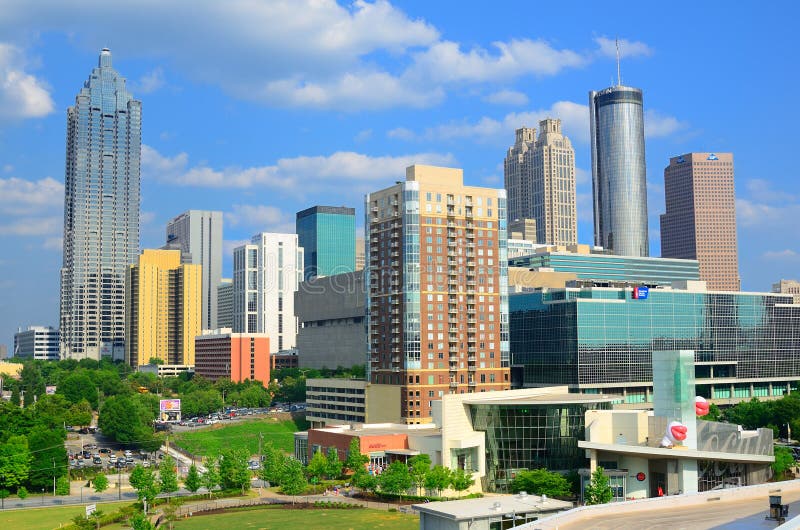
(170, 405)
(641, 292)
(50, 390)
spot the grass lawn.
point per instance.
(49, 518)
(276, 518)
(241, 435)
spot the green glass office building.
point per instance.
(597, 339)
(607, 267)
(328, 236)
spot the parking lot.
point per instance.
(235, 414)
(95, 450)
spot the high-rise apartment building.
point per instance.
(266, 274)
(700, 218)
(225, 303)
(198, 233)
(328, 237)
(619, 181)
(163, 313)
(37, 342)
(437, 299)
(542, 172)
(239, 357)
(101, 212)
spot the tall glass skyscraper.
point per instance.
(328, 237)
(619, 182)
(101, 213)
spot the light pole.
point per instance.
(54, 476)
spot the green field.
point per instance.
(277, 518)
(49, 518)
(207, 441)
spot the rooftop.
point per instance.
(491, 506)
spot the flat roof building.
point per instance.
(791, 287)
(328, 237)
(239, 357)
(487, 513)
(37, 342)
(334, 401)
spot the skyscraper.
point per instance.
(101, 213)
(163, 314)
(266, 274)
(700, 218)
(328, 237)
(225, 303)
(619, 182)
(199, 233)
(541, 173)
(437, 299)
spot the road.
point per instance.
(89, 496)
(740, 515)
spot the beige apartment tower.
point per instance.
(700, 218)
(163, 309)
(437, 299)
(540, 181)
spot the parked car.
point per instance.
(253, 465)
(146, 464)
(97, 461)
(105, 451)
(128, 453)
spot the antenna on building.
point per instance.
(619, 75)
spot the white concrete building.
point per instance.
(225, 303)
(266, 274)
(37, 342)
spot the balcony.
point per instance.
(453, 384)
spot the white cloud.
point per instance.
(146, 217)
(627, 48)
(266, 218)
(229, 244)
(582, 176)
(19, 196)
(657, 125)
(22, 95)
(401, 133)
(53, 243)
(149, 82)
(752, 214)
(507, 97)
(363, 136)
(8, 168)
(786, 254)
(287, 174)
(761, 190)
(32, 226)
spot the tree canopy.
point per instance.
(541, 482)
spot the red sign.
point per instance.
(640, 476)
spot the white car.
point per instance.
(145, 464)
(128, 453)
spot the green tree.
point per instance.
(4, 494)
(460, 480)
(783, 460)
(438, 479)
(541, 482)
(78, 386)
(420, 466)
(62, 486)
(714, 413)
(210, 478)
(79, 413)
(128, 419)
(273, 465)
(598, 491)
(49, 457)
(317, 466)
(31, 383)
(364, 481)
(233, 471)
(143, 480)
(395, 479)
(22, 492)
(52, 411)
(333, 467)
(293, 480)
(355, 459)
(192, 481)
(139, 521)
(167, 476)
(15, 459)
(100, 483)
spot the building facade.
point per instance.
(542, 171)
(598, 339)
(438, 288)
(619, 181)
(266, 274)
(101, 212)
(225, 303)
(37, 342)
(163, 309)
(332, 401)
(328, 237)
(791, 287)
(700, 218)
(524, 229)
(222, 354)
(198, 233)
(330, 312)
(588, 265)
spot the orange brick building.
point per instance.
(238, 356)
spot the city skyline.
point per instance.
(334, 146)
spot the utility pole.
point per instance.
(54, 476)
(260, 444)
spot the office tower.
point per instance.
(619, 182)
(791, 287)
(101, 213)
(198, 233)
(220, 354)
(360, 254)
(225, 303)
(328, 237)
(37, 342)
(700, 218)
(266, 274)
(542, 172)
(522, 229)
(437, 298)
(162, 313)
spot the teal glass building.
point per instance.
(607, 267)
(328, 236)
(601, 340)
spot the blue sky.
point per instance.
(261, 109)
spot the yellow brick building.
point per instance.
(163, 308)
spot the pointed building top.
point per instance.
(105, 58)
